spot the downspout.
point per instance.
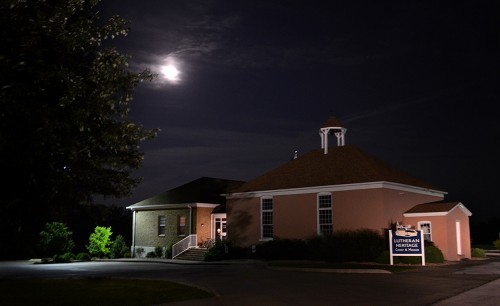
(133, 234)
(190, 219)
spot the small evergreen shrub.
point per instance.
(478, 253)
(159, 251)
(119, 248)
(151, 254)
(139, 252)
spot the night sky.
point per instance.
(416, 83)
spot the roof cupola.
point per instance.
(332, 126)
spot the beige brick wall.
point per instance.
(146, 234)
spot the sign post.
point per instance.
(405, 241)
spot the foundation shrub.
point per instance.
(433, 254)
(151, 254)
(282, 249)
(225, 249)
(168, 251)
(359, 245)
(159, 251)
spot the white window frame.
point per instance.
(162, 226)
(262, 211)
(322, 209)
(420, 223)
(181, 227)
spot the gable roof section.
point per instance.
(202, 190)
(435, 209)
(342, 165)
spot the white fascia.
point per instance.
(334, 188)
(169, 206)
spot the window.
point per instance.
(325, 226)
(181, 225)
(161, 225)
(425, 227)
(267, 218)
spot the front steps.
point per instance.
(194, 254)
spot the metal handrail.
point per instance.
(183, 245)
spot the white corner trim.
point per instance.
(334, 188)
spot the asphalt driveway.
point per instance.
(253, 283)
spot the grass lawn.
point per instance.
(99, 291)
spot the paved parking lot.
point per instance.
(253, 283)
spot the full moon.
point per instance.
(170, 72)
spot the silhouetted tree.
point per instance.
(64, 104)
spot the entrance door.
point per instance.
(220, 228)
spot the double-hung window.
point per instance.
(425, 227)
(181, 225)
(267, 218)
(325, 220)
(162, 221)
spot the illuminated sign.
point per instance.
(405, 241)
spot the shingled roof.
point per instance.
(437, 208)
(342, 165)
(202, 190)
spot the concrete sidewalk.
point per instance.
(485, 295)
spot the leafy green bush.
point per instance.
(83, 256)
(66, 257)
(151, 254)
(99, 241)
(55, 239)
(478, 253)
(119, 248)
(496, 244)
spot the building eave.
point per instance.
(334, 188)
(171, 206)
(440, 213)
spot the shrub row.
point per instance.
(363, 245)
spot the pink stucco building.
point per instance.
(343, 188)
